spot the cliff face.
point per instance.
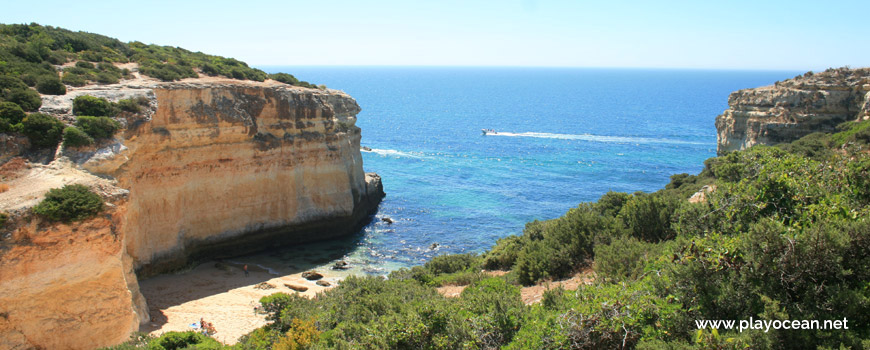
(222, 169)
(794, 108)
(212, 168)
(68, 286)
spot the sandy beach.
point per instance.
(219, 293)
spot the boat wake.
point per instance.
(593, 138)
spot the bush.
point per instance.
(13, 89)
(452, 263)
(624, 258)
(648, 216)
(74, 137)
(93, 106)
(28, 99)
(85, 65)
(183, 340)
(5, 126)
(503, 255)
(131, 105)
(495, 310)
(43, 130)
(50, 85)
(284, 78)
(69, 203)
(98, 127)
(74, 79)
(11, 112)
(107, 78)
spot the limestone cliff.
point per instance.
(793, 108)
(68, 286)
(211, 168)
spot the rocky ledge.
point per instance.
(791, 109)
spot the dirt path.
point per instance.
(531, 294)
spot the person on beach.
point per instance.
(246, 270)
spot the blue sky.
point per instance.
(736, 34)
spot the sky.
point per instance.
(696, 34)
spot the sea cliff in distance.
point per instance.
(125, 160)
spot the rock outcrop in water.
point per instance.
(793, 108)
(214, 168)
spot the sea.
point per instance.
(563, 136)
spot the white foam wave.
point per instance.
(594, 138)
(392, 153)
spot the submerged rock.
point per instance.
(341, 265)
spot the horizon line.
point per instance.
(539, 67)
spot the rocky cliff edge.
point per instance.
(791, 109)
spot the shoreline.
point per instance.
(220, 293)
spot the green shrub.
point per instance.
(43, 130)
(131, 105)
(452, 263)
(649, 216)
(74, 79)
(284, 78)
(98, 127)
(3, 218)
(5, 127)
(50, 85)
(495, 310)
(611, 203)
(74, 137)
(561, 246)
(816, 146)
(85, 65)
(11, 112)
(93, 106)
(624, 258)
(183, 340)
(13, 89)
(503, 255)
(107, 78)
(69, 203)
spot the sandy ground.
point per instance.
(531, 294)
(218, 293)
(29, 182)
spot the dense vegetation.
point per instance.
(69, 203)
(783, 235)
(38, 59)
(31, 52)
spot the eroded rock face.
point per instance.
(223, 169)
(211, 168)
(794, 108)
(68, 286)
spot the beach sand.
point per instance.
(219, 293)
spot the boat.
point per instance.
(489, 131)
(365, 149)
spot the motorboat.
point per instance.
(489, 131)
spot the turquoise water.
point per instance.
(565, 136)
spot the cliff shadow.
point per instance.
(219, 291)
